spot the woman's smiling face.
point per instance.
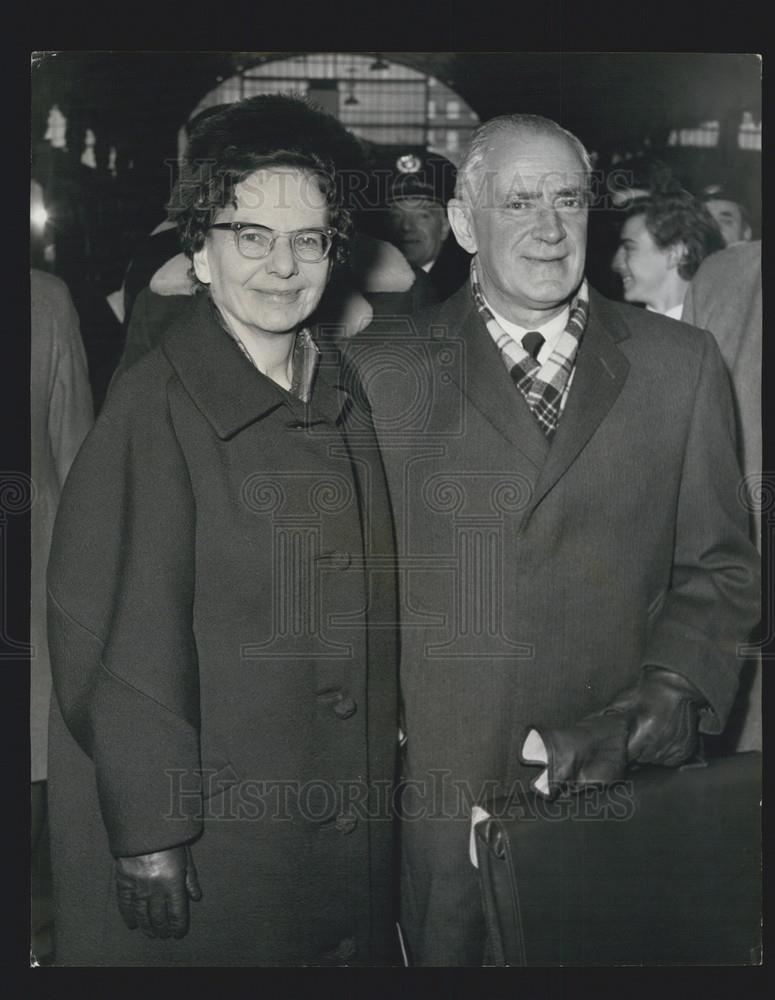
(277, 293)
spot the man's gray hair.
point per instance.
(485, 137)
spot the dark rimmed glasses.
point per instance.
(254, 242)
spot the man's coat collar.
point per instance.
(601, 371)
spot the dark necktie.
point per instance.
(533, 342)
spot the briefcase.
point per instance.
(662, 869)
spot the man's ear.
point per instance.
(747, 233)
(202, 265)
(676, 254)
(459, 214)
(444, 222)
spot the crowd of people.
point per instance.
(384, 489)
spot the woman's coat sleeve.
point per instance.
(120, 586)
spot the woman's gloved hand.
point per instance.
(154, 889)
(654, 722)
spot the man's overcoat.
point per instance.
(222, 629)
(537, 579)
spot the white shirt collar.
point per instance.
(674, 312)
(551, 331)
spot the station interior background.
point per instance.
(108, 128)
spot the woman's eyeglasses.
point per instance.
(307, 245)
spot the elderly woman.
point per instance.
(222, 603)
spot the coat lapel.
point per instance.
(601, 371)
(223, 384)
(330, 397)
(484, 380)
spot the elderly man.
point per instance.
(573, 556)
(663, 241)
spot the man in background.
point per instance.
(419, 187)
(730, 212)
(663, 241)
(725, 297)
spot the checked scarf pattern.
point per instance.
(545, 387)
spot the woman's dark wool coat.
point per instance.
(222, 629)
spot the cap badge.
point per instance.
(408, 164)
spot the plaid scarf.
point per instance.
(545, 387)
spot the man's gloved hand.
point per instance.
(154, 890)
(662, 713)
(654, 722)
(591, 752)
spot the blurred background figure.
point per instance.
(41, 242)
(629, 179)
(158, 246)
(663, 241)
(61, 416)
(639, 177)
(418, 189)
(730, 212)
(78, 231)
(725, 297)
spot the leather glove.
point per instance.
(154, 889)
(591, 752)
(654, 722)
(662, 712)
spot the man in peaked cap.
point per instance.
(419, 185)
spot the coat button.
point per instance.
(346, 823)
(345, 708)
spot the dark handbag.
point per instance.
(662, 869)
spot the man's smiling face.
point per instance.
(526, 218)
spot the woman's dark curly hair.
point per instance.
(263, 132)
(678, 217)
